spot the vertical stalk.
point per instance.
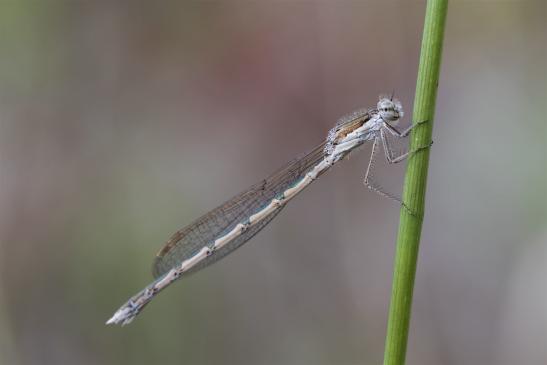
(410, 225)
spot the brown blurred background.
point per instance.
(120, 122)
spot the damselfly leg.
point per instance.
(392, 157)
(369, 176)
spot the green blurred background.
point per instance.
(121, 122)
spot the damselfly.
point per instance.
(227, 227)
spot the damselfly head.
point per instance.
(390, 110)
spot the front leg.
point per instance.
(404, 133)
(388, 150)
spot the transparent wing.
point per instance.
(188, 241)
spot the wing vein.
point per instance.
(186, 242)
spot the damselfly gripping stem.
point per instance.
(227, 227)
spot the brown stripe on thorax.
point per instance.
(349, 127)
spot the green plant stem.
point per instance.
(410, 225)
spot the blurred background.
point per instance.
(121, 122)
